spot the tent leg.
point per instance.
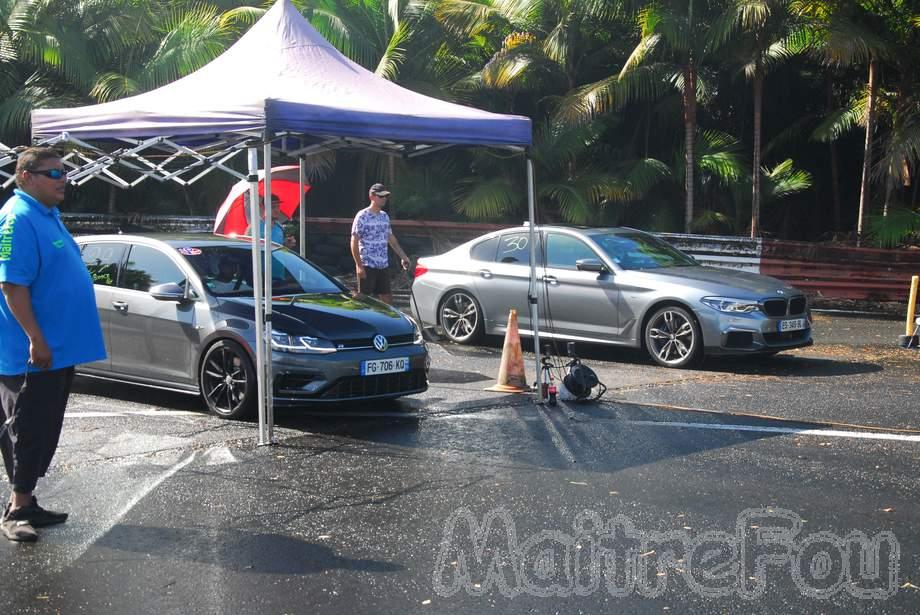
(532, 294)
(253, 178)
(267, 339)
(302, 240)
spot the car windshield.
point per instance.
(226, 270)
(641, 251)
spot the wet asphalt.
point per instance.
(759, 485)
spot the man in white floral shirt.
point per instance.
(370, 236)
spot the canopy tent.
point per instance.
(284, 88)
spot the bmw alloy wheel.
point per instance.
(672, 337)
(461, 317)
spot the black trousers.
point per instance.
(37, 402)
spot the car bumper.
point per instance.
(337, 376)
(751, 334)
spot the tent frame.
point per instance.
(184, 164)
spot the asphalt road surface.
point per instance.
(776, 485)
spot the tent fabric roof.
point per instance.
(283, 75)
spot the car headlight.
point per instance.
(301, 344)
(730, 305)
(417, 338)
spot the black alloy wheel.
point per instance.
(227, 381)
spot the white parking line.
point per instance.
(95, 415)
(830, 433)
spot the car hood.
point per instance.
(716, 280)
(332, 316)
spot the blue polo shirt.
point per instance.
(37, 251)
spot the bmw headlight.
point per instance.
(730, 305)
(301, 344)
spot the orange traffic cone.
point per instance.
(511, 378)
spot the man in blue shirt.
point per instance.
(48, 324)
(277, 217)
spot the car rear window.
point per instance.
(102, 261)
(484, 250)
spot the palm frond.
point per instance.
(839, 122)
(891, 230)
(488, 199)
(784, 180)
(395, 53)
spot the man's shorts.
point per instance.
(374, 282)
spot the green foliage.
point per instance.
(602, 80)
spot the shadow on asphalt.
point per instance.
(236, 550)
(137, 394)
(760, 365)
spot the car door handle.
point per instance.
(550, 279)
(121, 306)
(485, 273)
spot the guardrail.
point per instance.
(822, 270)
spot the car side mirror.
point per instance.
(591, 264)
(170, 291)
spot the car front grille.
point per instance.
(774, 307)
(352, 387)
(368, 342)
(779, 307)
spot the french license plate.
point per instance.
(385, 366)
(796, 324)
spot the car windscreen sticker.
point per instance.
(189, 251)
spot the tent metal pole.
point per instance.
(267, 341)
(302, 240)
(532, 294)
(255, 231)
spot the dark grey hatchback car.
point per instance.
(178, 313)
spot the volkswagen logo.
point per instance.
(381, 343)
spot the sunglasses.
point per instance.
(50, 173)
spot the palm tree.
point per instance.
(766, 28)
(672, 45)
(847, 33)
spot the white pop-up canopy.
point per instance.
(283, 87)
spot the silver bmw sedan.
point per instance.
(615, 286)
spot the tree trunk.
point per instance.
(864, 193)
(689, 135)
(835, 163)
(755, 172)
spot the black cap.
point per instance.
(379, 190)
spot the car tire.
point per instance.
(227, 381)
(673, 337)
(460, 316)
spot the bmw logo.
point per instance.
(381, 343)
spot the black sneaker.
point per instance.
(41, 517)
(16, 526)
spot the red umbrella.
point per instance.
(233, 216)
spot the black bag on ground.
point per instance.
(580, 380)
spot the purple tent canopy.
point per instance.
(282, 75)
